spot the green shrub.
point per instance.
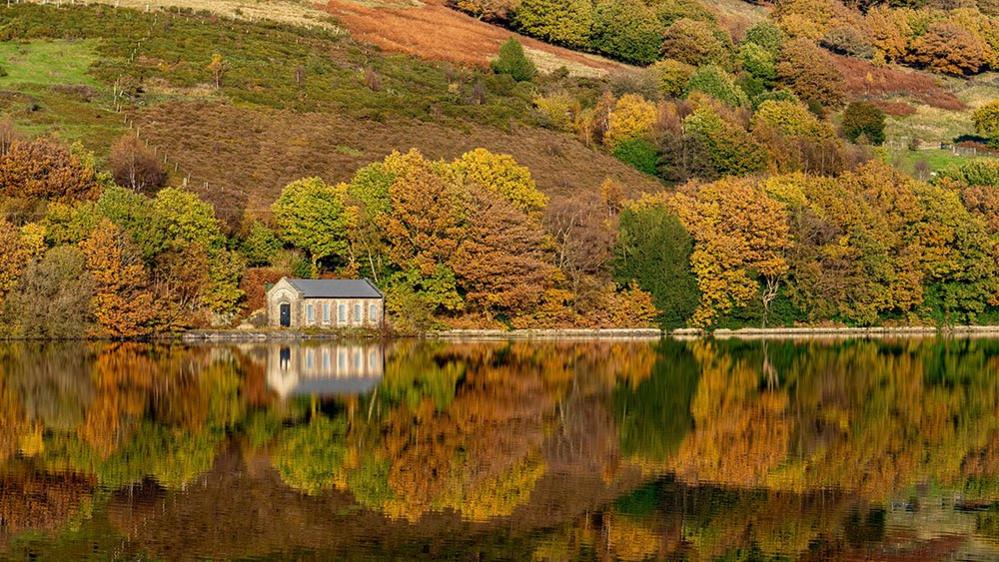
(717, 83)
(731, 149)
(766, 35)
(758, 62)
(862, 119)
(513, 62)
(639, 154)
(790, 118)
(671, 76)
(973, 172)
(780, 94)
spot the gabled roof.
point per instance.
(336, 288)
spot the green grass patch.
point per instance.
(47, 62)
(935, 160)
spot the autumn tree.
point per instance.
(741, 238)
(696, 43)
(715, 82)
(429, 212)
(950, 49)
(45, 169)
(810, 73)
(628, 30)
(889, 31)
(218, 66)
(986, 119)
(864, 121)
(729, 148)
(503, 263)
(16, 255)
(671, 76)
(566, 22)
(631, 117)
(135, 166)
(122, 303)
(502, 175)
(54, 297)
(313, 215)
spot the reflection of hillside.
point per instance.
(237, 510)
(32, 501)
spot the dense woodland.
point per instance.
(764, 198)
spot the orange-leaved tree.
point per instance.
(123, 304)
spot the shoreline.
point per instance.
(622, 334)
(614, 334)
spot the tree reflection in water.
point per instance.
(551, 450)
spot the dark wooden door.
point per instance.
(286, 315)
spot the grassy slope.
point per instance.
(934, 125)
(294, 101)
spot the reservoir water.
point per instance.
(585, 450)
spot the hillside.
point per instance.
(736, 171)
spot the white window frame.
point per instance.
(373, 312)
(310, 314)
(326, 313)
(358, 313)
(341, 313)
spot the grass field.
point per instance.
(933, 160)
(47, 62)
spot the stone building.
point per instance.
(325, 303)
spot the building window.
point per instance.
(326, 313)
(310, 314)
(357, 313)
(341, 313)
(373, 312)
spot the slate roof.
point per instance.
(336, 288)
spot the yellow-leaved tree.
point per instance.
(741, 236)
(633, 117)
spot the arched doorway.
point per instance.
(285, 315)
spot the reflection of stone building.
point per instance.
(327, 369)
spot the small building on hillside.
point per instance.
(325, 303)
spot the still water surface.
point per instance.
(857, 450)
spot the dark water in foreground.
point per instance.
(517, 451)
